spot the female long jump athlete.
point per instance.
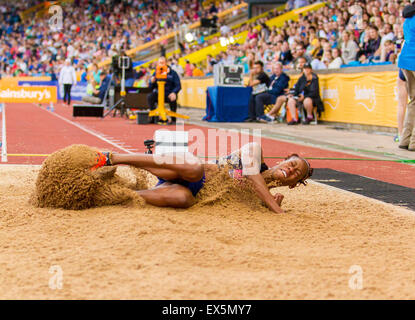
(181, 178)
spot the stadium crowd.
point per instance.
(341, 33)
(92, 31)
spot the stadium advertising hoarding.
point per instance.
(77, 91)
(361, 98)
(27, 94)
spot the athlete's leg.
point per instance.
(168, 195)
(165, 174)
(186, 166)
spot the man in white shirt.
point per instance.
(387, 33)
(67, 78)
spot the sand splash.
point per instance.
(220, 190)
(65, 180)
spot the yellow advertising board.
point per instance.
(361, 98)
(28, 94)
(193, 93)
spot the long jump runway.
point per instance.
(226, 250)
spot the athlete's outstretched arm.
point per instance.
(261, 189)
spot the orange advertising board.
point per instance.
(28, 94)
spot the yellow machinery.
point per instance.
(160, 111)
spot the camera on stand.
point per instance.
(120, 63)
(120, 66)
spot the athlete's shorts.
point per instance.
(194, 187)
(401, 75)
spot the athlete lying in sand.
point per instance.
(184, 175)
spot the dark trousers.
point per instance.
(257, 102)
(67, 93)
(152, 100)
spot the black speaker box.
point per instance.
(88, 111)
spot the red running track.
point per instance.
(34, 130)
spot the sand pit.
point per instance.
(219, 250)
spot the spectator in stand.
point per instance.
(279, 82)
(349, 48)
(252, 34)
(387, 33)
(388, 53)
(224, 29)
(299, 54)
(371, 46)
(188, 71)
(285, 56)
(197, 72)
(300, 3)
(317, 63)
(210, 62)
(300, 64)
(259, 81)
(307, 91)
(177, 67)
(336, 61)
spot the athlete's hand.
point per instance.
(278, 198)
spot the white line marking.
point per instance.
(3, 134)
(95, 134)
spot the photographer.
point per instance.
(172, 88)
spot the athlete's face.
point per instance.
(290, 171)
